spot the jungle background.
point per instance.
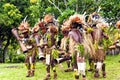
(12, 12)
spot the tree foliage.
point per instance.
(10, 16)
(12, 12)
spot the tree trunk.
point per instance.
(0, 44)
(1, 50)
(5, 49)
(1, 40)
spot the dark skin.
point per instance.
(77, 36)
(48, 51)
(75, 33)
(100, 54)
(102, 34)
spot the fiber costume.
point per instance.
(29, 46)
(76, 39)
(50, 48)
(96, 22)
(64, 47)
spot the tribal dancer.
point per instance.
(65, 45)
(117, 36)
(50, 45)
(75, 44)
(28, 46)
(97, 23)
(38, 32)
(76, 40)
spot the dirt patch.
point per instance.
(12, 67)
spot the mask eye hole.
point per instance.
(96, 16)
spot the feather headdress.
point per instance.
(41, 25)
(66, 26)
(94, 18)
(48, 18)
(77, 18)
(24, 27)
(35, 29)
(53, 29)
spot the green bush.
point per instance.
(13, 57)
(19, 58)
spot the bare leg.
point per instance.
(27, 64)
(48, 73)
(103, 70)
(91, 64)
(53, 63)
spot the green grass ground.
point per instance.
(18, 71)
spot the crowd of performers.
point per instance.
(82, 40)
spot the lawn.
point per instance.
(17, 71)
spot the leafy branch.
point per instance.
(55, 6)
